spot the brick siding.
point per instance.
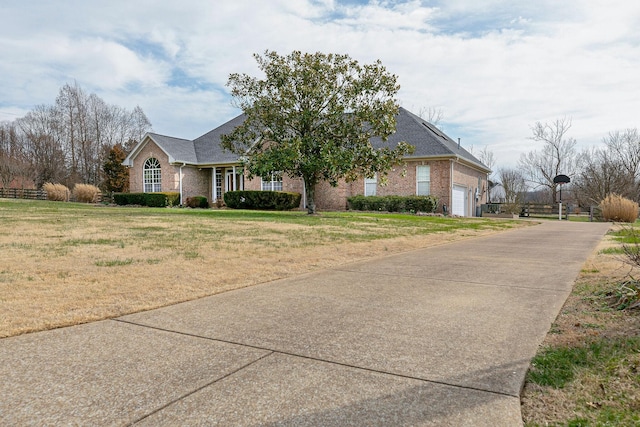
(401, 181)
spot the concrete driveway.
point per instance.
(440, 336)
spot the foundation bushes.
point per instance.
(86, 193)
(173, 199)
(426, 204)
(56, 192)
(617, 208)
(154, 200)
(198, 202)
(262, 200)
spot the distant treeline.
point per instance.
(67, 142)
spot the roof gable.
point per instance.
(178, 150)
(428, 140)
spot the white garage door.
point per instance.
(459, 201)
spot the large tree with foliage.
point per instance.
(312, 117)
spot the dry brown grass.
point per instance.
(63, 266)
(56, 192)
(86, 193)
(585, 318)
(617, 208)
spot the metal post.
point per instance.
(560, 204)
(560, 211)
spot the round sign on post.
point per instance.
(561, 179)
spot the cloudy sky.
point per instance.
(493, 67)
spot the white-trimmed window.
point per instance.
(370, 185)
(152, 176)
(272, 183)
(423, 180)
(219, 182)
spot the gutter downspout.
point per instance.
(183, 165)
(451, 187)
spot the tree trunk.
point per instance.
(310, 191)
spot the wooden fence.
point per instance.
(537, 210)
(23, 193)
(31, 194)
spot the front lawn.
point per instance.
(68, 263)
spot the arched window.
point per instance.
(152, 176)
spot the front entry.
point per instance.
(236, 184)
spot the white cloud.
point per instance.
(494, 67)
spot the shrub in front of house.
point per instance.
(86, 193)
(426, 204)
(56, 192)
(198, 202)
(617, 208)
(154, 200)
(262, 200)
(173, 199)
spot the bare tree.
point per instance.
(624, 148)
(602, 172)
(43, 145)
(487, 158)
(69, 141)
(557, 156)
(432, 115)
(514, 186)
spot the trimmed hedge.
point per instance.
(198, 202)
(262, 200)
(154, 200)
(173, 199)
(427, 204)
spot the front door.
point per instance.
(234, 182)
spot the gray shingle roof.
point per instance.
(427, 139)
(180, 150)
(208, 148)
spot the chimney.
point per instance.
(458, 143)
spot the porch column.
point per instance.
(214, 186)
(181, 183)
(234, 179)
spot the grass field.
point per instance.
(66, 263)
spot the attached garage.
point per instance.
(459, 201)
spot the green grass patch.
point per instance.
(100, 241)
(627, 235)
(114, 263)
(557, 366)
(612, 251)
(191, 255)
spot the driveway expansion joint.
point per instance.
(196, 390)
(301, 356)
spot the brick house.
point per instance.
(200, 167)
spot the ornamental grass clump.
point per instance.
(86, 193)
(56, 192)
(619, 209)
